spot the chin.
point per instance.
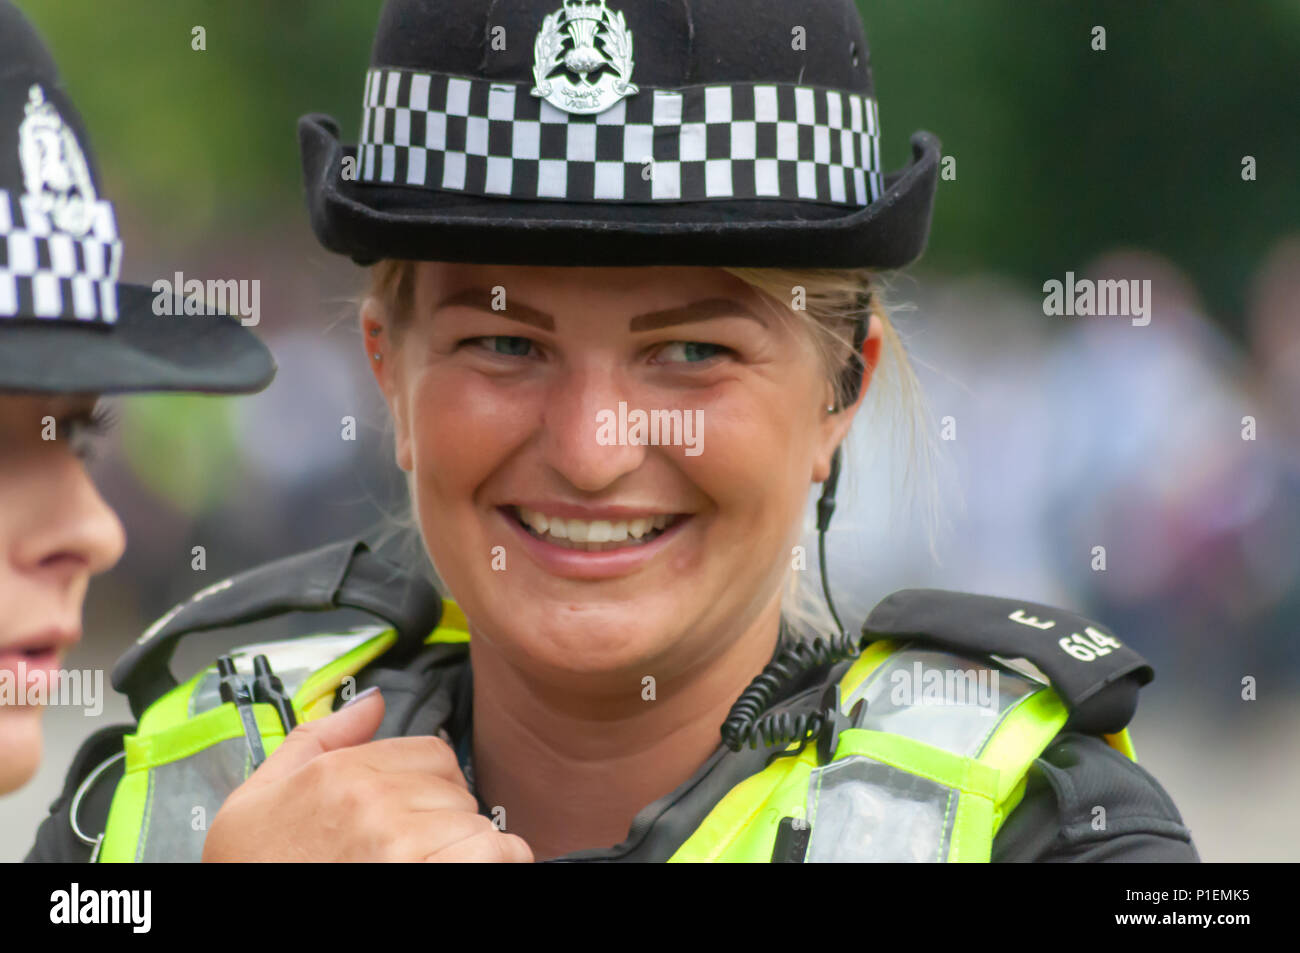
(593, 639)
(20, 746)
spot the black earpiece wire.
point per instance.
(825, 510)
(850, 387)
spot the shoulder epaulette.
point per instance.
(1096, 675)
(343, 575)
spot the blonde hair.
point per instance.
(828, 303)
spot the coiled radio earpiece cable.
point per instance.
(746, 724)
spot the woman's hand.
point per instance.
(329, 794)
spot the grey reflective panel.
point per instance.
(202, 781)
(862, 810)
(293, 660)
(942, 699)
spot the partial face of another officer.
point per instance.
(609, 466)
(55, 533)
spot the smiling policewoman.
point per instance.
(623, 313)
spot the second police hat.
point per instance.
(619, 132)
(67, 323)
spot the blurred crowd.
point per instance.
(1171, 447)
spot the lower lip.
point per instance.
(580, 564)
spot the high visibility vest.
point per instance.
(926, 770)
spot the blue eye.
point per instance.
(504, 344)
(692, 352)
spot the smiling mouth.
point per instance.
(594, 536)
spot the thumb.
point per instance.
(353, 724)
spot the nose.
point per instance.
(587, 453)
(69, 533)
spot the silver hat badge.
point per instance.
(55, 172)
(583, 24)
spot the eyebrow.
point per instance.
(481, 299)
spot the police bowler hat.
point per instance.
(67, 325)
(619, 132)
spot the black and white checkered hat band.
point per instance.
(745, 141)
(49, 273)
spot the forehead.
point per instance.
(639, 288)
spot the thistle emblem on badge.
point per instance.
(592, 47)
(55, 172)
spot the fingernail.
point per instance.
(356, 698)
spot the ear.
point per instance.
(381, 356)
(835, 426)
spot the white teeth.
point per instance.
(595, 535)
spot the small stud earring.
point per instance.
(377, 357)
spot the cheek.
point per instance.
(456, 416)
(760, 452)
(755, 467)
(461, 431)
